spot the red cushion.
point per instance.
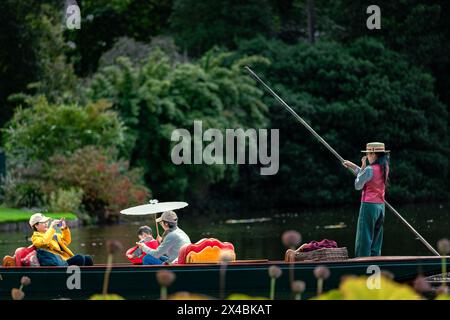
(200, 245)
(21, 253)
(31, 260)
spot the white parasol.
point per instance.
(153, 207)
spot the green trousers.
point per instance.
(369, 234)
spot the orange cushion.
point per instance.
(208, 254)
(8, 261)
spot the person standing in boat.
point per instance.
(372, 180)
(170, 243)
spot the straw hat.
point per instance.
(375, 147)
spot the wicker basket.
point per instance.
(325, 254)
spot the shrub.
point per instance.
(21, 187)
(108, 185)
(38, 132)
(65, 200)
(161, 95)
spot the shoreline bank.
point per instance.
(23, 225)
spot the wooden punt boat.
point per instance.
(248, 277)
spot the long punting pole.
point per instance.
(337, 155)
(156, 225)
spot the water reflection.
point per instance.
(340, 225)
(260, 237)
(254, 220)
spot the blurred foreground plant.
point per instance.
(225, 257)
(240, 296)
(321, 273)
(443, 246)
(113, 247)
(165, 278)
(183, 295)
(274, 273)
(18, 294)
(298, 287)
(291, 239)
(355, 288)
(110, 296)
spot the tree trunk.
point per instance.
(311, 21)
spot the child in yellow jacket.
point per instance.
(46, 241)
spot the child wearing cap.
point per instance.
(145, 235)
(372, 180)
(53, 248)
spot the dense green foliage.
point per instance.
(419, 29)
(159, 96)
(199, 25)
(351, 95)
(53, 163)
(42, 130)
(107, 20)
(107, 185)
(137, 70)
(32, 60)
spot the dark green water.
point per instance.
(261, 239)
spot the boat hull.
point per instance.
(251, 278)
